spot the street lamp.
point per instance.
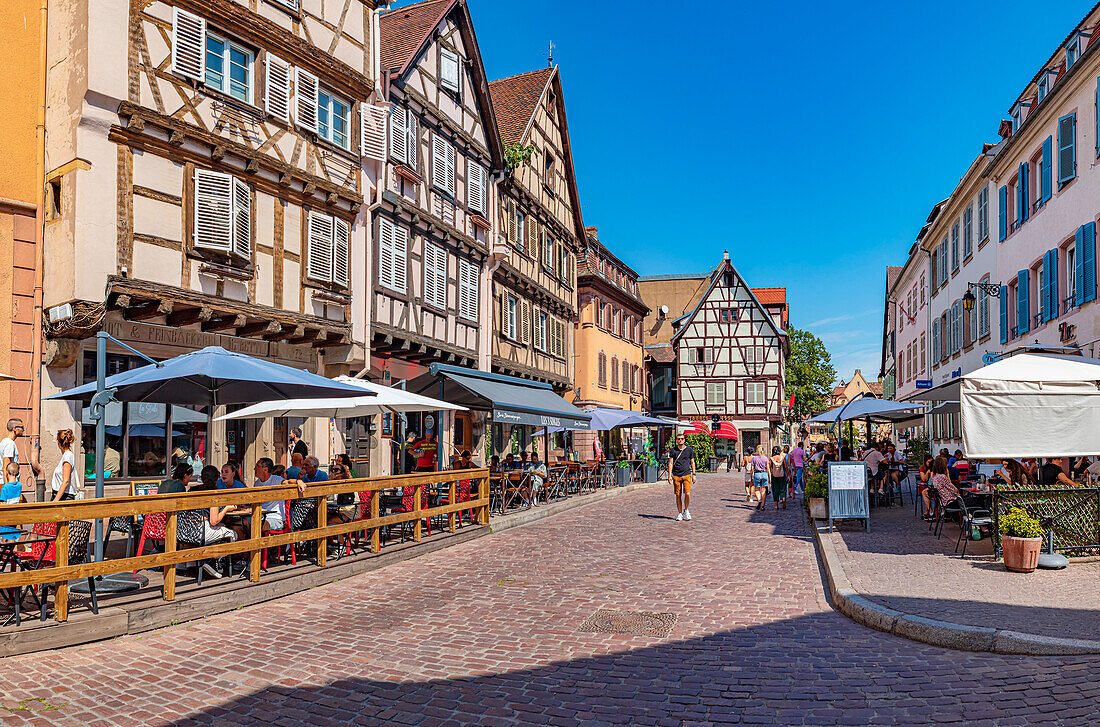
(988, 288)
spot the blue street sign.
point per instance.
(924, 383)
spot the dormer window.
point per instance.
(1043, 85)
(1017, 117)
(1073, 51)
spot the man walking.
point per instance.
(681, 470)
(798, 461)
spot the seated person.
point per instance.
(961, 465)
(12, 491)
(465, 461)
(945, 489)
(539, 473)
(494, 464)
(311, 471)
(1052, 475)
(509, 463)
(295, 468)
(875, 461)
(345, 501)
(522, 464)
(275, 510)
(230, 477)
(279, 470)
(345, 460)
(179, 481)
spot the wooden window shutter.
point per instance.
(439, 162)
(277, 87)
(510, 212)
(242, 219)
(435, 275)
(412, 142)
(467, 289)
(319, 252)
(451, 163)
(386, 256)
(213, 210)
(398, 134)
(532, 240)
(341, 243)
(306, 89)
(475, 183)
(188, 45)
(449, 75)
(401, 259)
(526, 304)
(373, 138)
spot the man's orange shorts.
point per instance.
(681, 484)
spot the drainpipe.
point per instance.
(928, 350)
(39, 252)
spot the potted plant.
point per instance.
(650, 464)
(1021, 540)
(816, 484)
(622, 471)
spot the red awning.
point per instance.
(726, 430)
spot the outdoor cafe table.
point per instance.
(9, 558)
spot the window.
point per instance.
(754, 393)
(983, 310)
(511, 322)
(923, 285)
(229, 67)
(548, 169)
(515, 226)
(435, 275)
(565, 263)
(601, 369)
(616, 327)
(223, 214)
(1042, 86)
(599, 312)
(955, 247)
(968, 219)
(983, 214)
(922, 353)
(1002, 213)
(1017, 117)
(392, 256)
(333, 119)
(1071, 272)
(942, 267)
(467, 290)
(443, 165)
(544, 331)
(628, 381)
(1073, 51)
(449, 75)
(728, 315)
(1067, 149)
(548, 252)
(614, 373)
(327, 249)
(404, 135)
(704, 356)
(1023, 193)
(716, 393)
(476, 191)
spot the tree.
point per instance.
(810, 374)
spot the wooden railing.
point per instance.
(63, 513)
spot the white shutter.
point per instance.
(400, 259)
(467, 290)
(305, 99)
(373, 139)
(451, 162)
(448, 71)
(475, 181)
(341, 241)
(386, 260)
(398, 134)
(435, 275)
(526, 321)
(188, 45)
(213, 210)
(277, 87)
(319, 252)
(242, 219)
(439, 162)
(412, 141)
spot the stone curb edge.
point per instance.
(961, 637)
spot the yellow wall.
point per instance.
(19, 89)
(590, 341)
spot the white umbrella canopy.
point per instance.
(377, 400)
(1032, 405)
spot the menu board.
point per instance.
(847, 476)
(848, 493)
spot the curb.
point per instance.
(946, 634)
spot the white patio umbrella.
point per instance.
(376, 400)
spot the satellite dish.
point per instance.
(664, 310)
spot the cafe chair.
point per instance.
(285, 529)
(45, 556)
(191, 533)
(946, 511)
(462, 494)
(152, 529)
(122, 524)
(408, 498)
(972, 518)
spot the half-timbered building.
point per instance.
(433, 222)
(729, 347)
(534, 267)
(207, 188)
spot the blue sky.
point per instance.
(810, 139)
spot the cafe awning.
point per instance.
(511, 400)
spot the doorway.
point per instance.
(751, 440)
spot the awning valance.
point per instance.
(510, 399)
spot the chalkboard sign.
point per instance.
(848, 492)
(144, 487)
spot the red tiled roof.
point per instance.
(403, 30)
(771, 296)
(875, 387)
(515, 100)
(662, 353)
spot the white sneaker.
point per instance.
(687, 515)
(679, 516)
(211, 570)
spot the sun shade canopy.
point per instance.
(511, 400)
(213, 376)
(865, 408)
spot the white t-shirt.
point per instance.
(59, 474)
(873, 459)
(275, 506)
(8, 449)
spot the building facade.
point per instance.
(208, 188)
(433, 222)
(730, 349)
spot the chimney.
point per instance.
(594, 231)
(726, 255)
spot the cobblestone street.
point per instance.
(488, 633)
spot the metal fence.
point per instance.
(1073, 514)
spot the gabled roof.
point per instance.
(661, 353)
(516, 99)
(404, 31)
(715, 276)
(771, 296)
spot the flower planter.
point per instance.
(651, 473)
(622, 476)
(1021, 554)
(817, 508)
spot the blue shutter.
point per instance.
(1079, 266)
(1097, 117)
(1023, 302)
(1088, 262)
(1002, 213)
(1044, 304)
(936, 340)
(1045, 169)
(1023, 198)
(1003, 300)
(1067, 148)
(1052, 276)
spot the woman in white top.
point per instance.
(64, 475)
